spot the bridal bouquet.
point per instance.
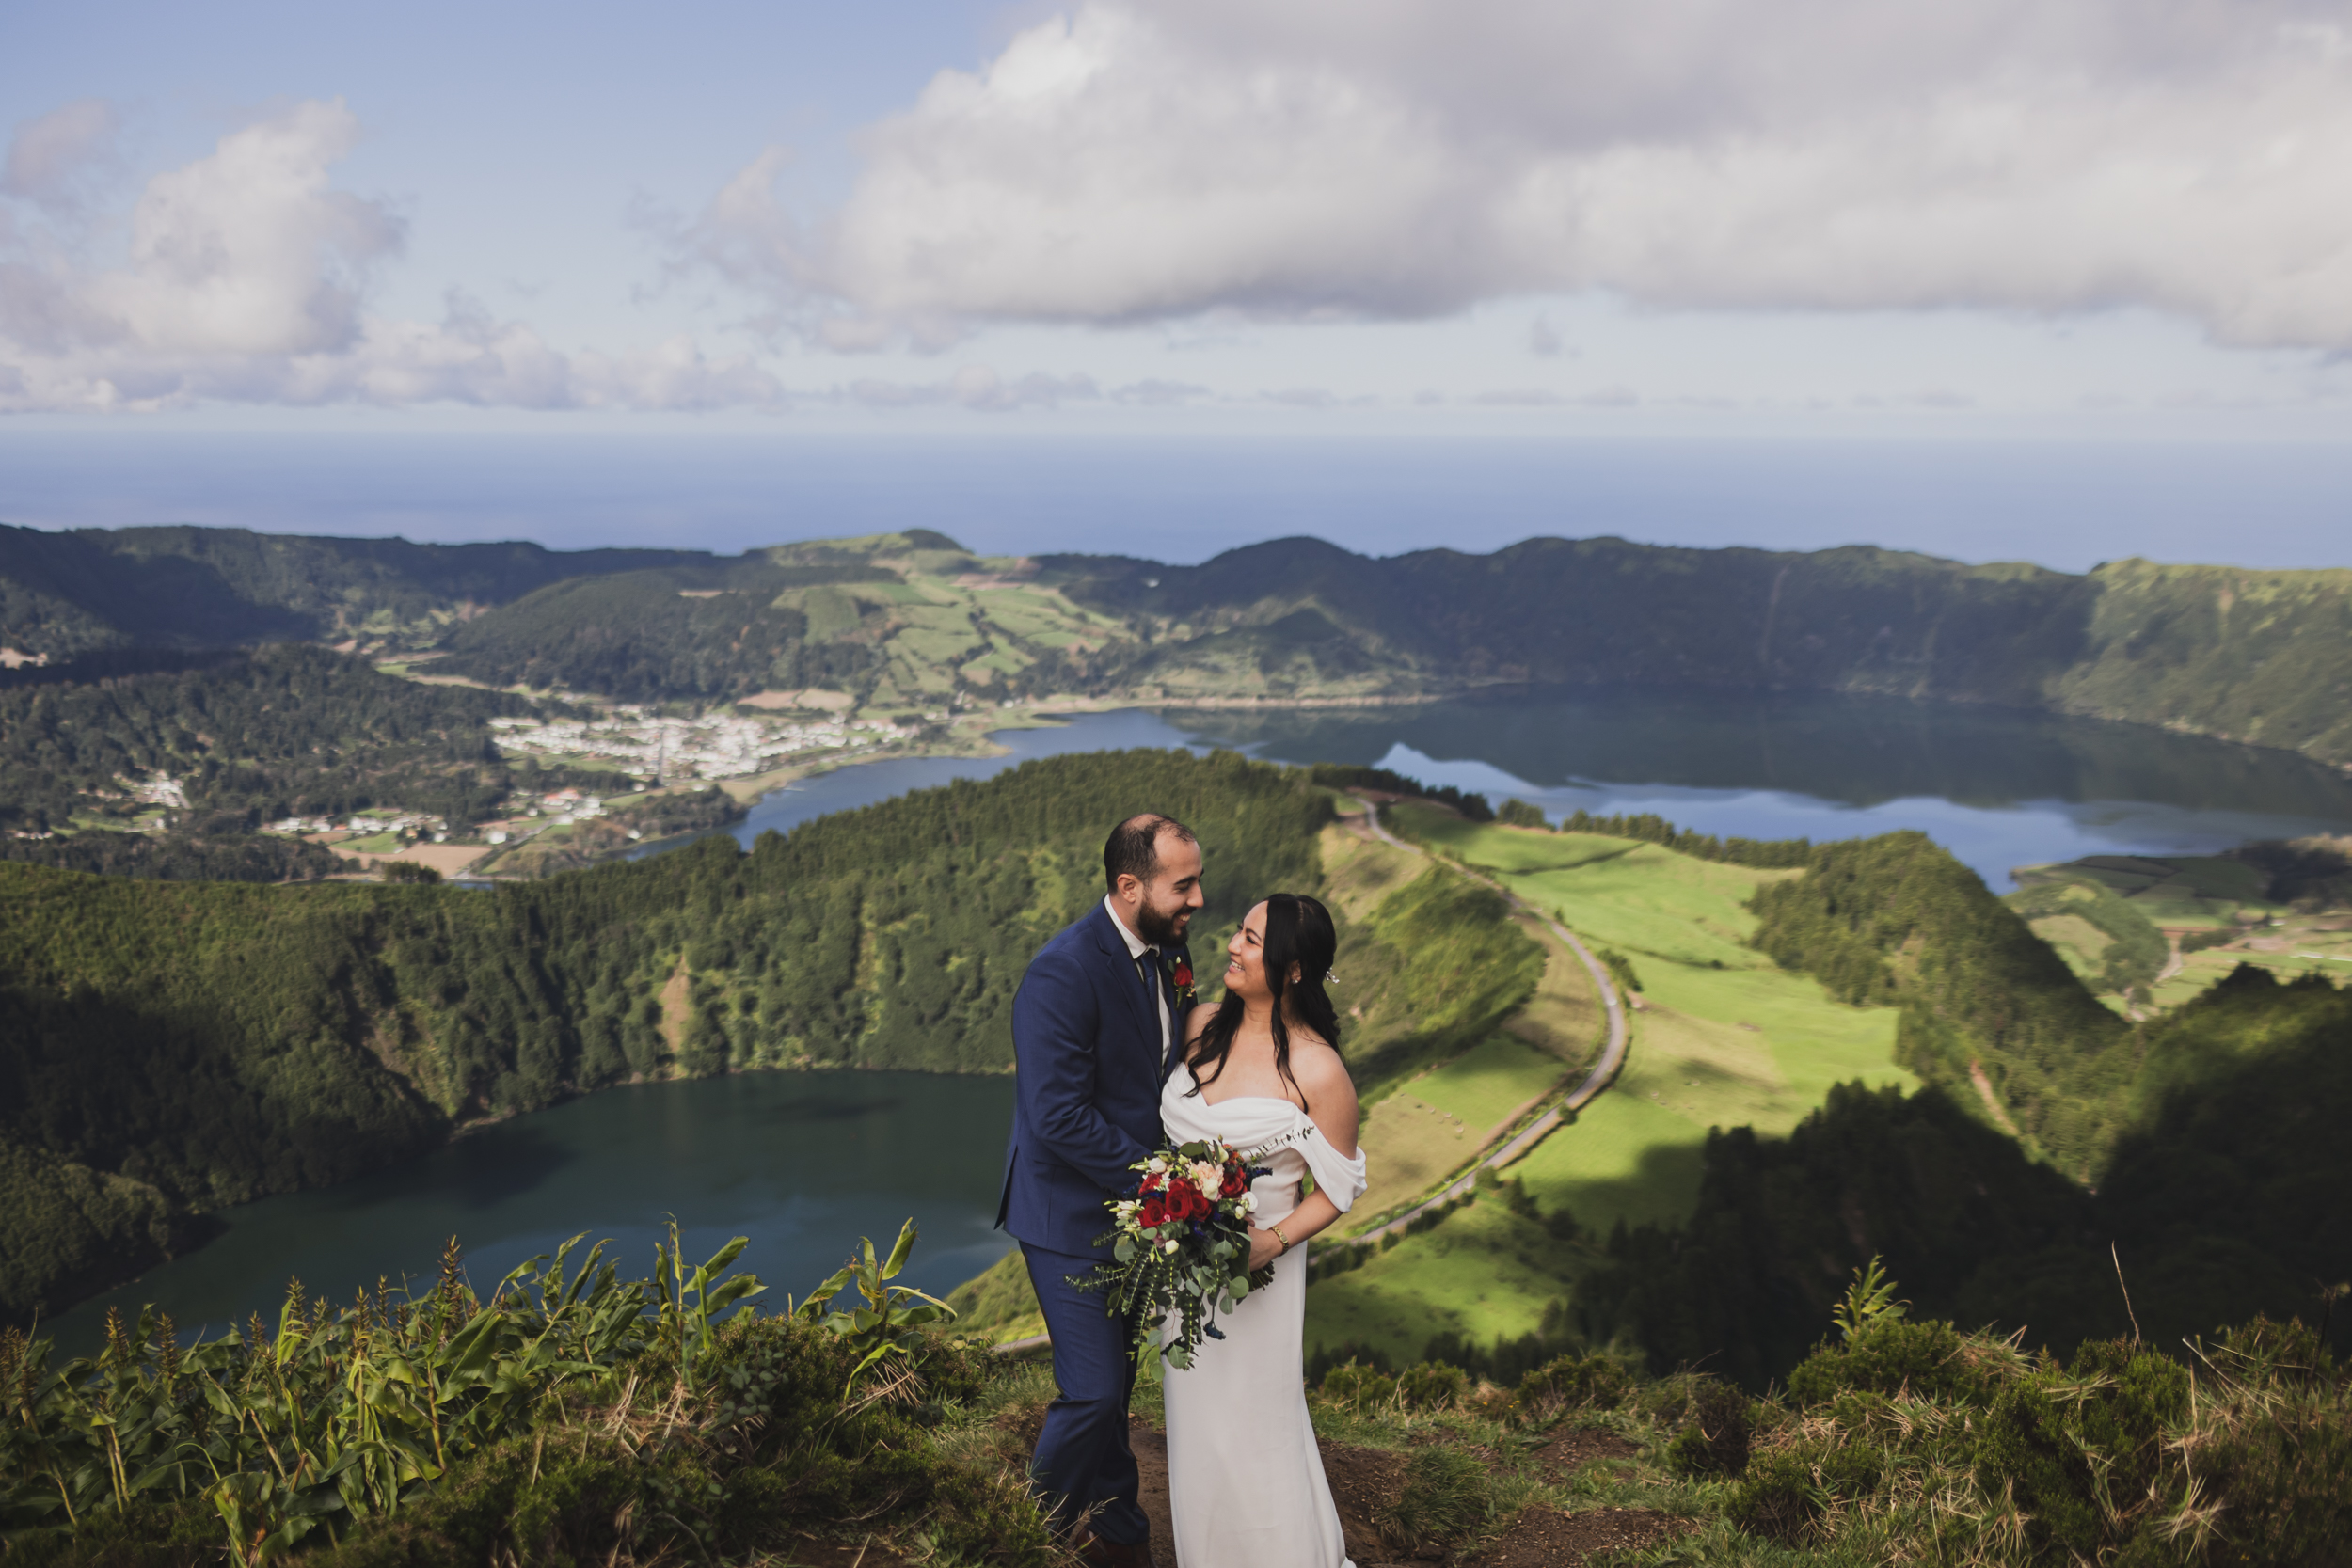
(1181, 1245)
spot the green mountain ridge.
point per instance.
(72, 592)
(2262, 658)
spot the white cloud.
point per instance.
(974, 386)
(49, 157)
(1328, 159)
(1159, 392)
(245, 278)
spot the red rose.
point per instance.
(1184, 974)
(1153, 1214)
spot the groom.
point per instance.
(1094, 1032)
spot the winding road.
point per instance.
(1604, 1074)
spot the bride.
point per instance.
(1263, 1072)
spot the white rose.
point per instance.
(1249, 1203)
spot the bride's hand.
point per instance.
(1263, 1248)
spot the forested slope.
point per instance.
(1896, 920)
(2223, 1197)
(283, 730)
(215, 1042)
(66, 593)
(703, 632)
(2262, 657)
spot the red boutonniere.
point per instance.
(1180, 976)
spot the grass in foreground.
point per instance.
(1896, 1441)
(575, 1418)
(571, 1417)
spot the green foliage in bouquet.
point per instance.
(1175, 1249)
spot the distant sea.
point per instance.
(1017, 489)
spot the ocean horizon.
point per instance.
(1182, 499)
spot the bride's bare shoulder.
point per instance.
(1321, 1075)
(1319, 1069)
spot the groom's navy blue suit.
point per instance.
(1086, 1034)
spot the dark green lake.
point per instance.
(801, 1162)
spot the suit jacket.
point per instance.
(1086, 1041)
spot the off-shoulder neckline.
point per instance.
(1269, 1098)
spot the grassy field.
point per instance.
(2182, 895)
(1419, 1132)
(1486, 1274)
(1428, 1128)
(1723, 1037)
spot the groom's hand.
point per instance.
(1263, 1248)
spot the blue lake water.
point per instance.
(805, 1164)
(1998, 787)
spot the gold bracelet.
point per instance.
(1279, 1237)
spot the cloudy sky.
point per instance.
(1845, 214)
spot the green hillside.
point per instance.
(2222, 1197)
(1763, 1142)
(2154, 931)
(913, 619)
(176, 1047)
(248, 738)
(68, 593)
(2260, 657)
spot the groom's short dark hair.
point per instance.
(1134, 847)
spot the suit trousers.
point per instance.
(1084, 1461)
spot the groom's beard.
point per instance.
(1162, 927)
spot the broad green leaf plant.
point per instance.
(894, 1315)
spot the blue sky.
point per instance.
(2071, 221)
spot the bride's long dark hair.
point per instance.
(1298, 932)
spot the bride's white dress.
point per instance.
(1245, 1480)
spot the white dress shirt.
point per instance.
(1148, 972)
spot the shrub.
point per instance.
(1568, 1381)
(2079, 1448)
(1887, 1357)
(1714, 1441)
(2273, 1446)
(1786, 1490)
(1433, 1386)
(1620, 969)
(1352, 1383)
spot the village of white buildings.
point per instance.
(659, 749)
